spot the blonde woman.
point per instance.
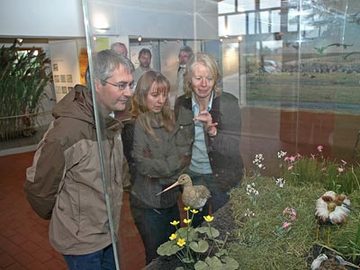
(157, 162)
(210, 125)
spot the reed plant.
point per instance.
(23, 78)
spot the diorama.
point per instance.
(306, 216)
(293, 66)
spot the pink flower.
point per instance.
(290, 213)
(286, 225)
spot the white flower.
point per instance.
(281, 154)
(280, 182)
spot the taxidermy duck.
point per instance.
(332, 207)
(194, 196)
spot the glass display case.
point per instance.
(292, 65)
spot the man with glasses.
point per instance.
(64, 183)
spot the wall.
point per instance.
(41, 18)
(180, 19)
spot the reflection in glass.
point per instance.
(295, 69)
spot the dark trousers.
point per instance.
(218, 197)
(98, 260)
(154, 226)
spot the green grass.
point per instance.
(285, 87)
(260, 241)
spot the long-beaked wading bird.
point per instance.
(194, 196)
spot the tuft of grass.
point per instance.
(326, 173)
(260, 238)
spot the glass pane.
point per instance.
(290, 69)
(264, 4)
(264, 22)
(236, 25)
(226, 6)
(246, 5)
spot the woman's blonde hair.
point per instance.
(208, 61)
(148, 81)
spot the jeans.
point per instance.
(218, 197)
(98, 260)
(154, 227)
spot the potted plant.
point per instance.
(23, 78)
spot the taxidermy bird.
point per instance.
(332, 207)
(349, 54)
(322, 49)
(194, 196)
(323, 262)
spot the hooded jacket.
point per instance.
(64, 183)
(158, 165)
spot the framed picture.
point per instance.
(69, 78)
(56, 78)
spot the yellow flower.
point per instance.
(187, 208)
(194, 211)
(208, 218)
(173, 236)
(187, 221)
(181, 242)
(175, 222)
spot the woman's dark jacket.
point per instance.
(224, 148)
(157, 165)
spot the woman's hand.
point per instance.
(206, 119)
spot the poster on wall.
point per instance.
(134, 53)
(65, 66)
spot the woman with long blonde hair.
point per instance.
(157, 162)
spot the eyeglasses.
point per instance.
(122, 85)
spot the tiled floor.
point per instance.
(24, 236)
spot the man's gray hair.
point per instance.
(106, 61)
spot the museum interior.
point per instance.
(292, 66)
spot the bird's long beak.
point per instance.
(168, 188)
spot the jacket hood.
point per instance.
(76, 104)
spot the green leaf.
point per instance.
(168, 248)
(190, 234)
(200, 247)
(201, 265)
(214, 263)
(221, 253)
(230, 263)
(210, 231)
